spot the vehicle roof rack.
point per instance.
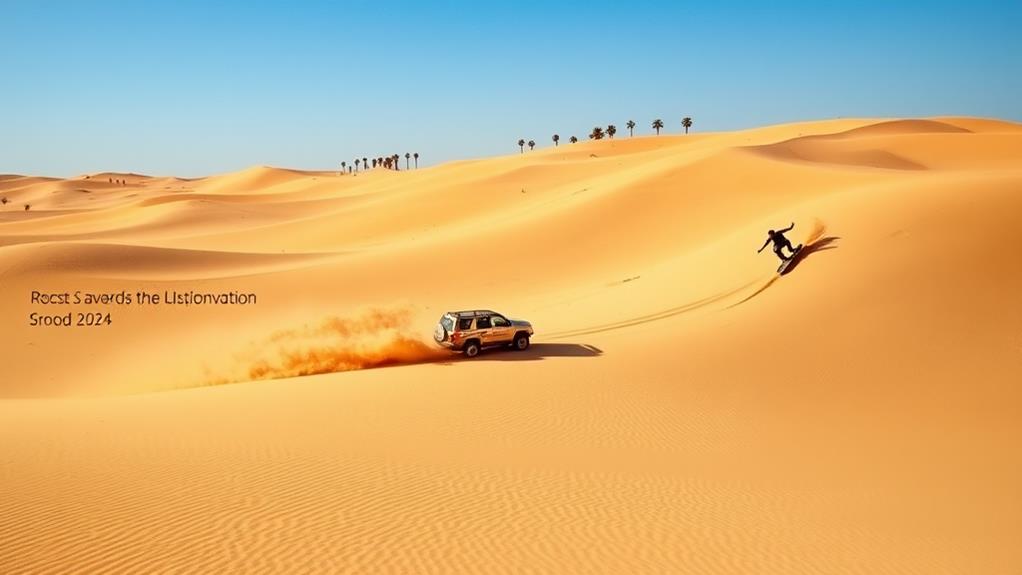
(473, 313)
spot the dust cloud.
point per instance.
(375, 338)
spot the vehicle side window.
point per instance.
(500, 322)
(483, 323)
(465, 324)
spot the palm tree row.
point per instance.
(389, 162)
(599, 132)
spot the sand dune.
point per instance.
(893, 145)
(126, 261)
(683, 407)
(256, 178)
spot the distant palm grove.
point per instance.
(392, 162)
(601, 132)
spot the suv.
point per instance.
(470, 331)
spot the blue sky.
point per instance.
(191, 88)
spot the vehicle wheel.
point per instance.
(471, 349)
(521, 342)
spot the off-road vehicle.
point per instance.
(470, 331)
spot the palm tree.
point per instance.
(408, 158)
(631, 126)
(344, 167)
(573, 139)
(686, 123)
(532, 144)
(521, 146)
(379, 161)
(416, 156)
(611, 130)
(374, 163)
(556, 139)
(657, 124)
(365, 163)
(357, 162)
(596, 134)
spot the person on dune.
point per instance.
(780, 242)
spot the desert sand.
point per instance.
(683, 409)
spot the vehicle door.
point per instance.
(501, 330)
(466, 330)
(484, 329)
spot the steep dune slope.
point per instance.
(683, 408)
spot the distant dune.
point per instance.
(683, 408)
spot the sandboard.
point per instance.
(790, 261)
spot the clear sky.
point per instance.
(192, 88)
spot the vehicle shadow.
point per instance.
(820, 245)
(536, 351)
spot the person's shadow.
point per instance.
(820, 245)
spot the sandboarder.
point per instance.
(780, 242)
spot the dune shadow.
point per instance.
(536, 351)
(820, 245)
